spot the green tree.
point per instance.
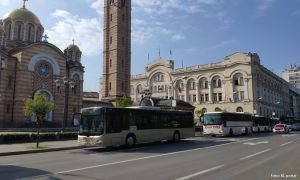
(38, 107)
(125, 101)
(199, 113)
(217, 109)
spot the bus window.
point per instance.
(212, 119)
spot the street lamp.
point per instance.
(256, 107)
(67, 83)
(273, 112)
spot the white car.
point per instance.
(281, 128)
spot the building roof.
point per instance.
(24, 15)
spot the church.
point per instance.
(29, 65)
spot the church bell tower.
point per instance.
(115, 82)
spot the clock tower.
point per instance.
(115, 81)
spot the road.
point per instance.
(258, 156)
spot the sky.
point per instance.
(196, 32)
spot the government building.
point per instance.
(29, 64)
(238, 83)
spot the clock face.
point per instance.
(43, 70)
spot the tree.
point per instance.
(217, 109)
(199, 113)
(37, 108)
(125, 101)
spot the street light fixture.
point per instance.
(67, 83)
(257, 100)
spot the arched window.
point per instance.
(239, 109)
(238, 79)
(219, 83)
(19, 32)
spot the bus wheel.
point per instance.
(230, 132)
(176, 136)
(130, 140)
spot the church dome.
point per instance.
(23, 15)
(73, 47)
(73, 53)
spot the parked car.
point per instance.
(296, 127)
(281, 128)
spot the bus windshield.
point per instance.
(91, 125)
(212, 119)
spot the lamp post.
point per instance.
(256, 107)
(67, 83)
(273, 112)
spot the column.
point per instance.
(231, 90)
(246, 89)
(12, 31)
(223, 91)
(35, 34)
(186, 92)
(197, 93)
(209, 92)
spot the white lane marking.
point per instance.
(284, 144)
(253, 143)
(131, 160)
(252, 155)
(289, 135)
(201, 172)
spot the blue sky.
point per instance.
(197, 31)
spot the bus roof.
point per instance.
(227, 113)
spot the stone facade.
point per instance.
(115, 81)
(237, 83)
(30, 65)
(292, 75)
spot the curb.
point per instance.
(40, 151)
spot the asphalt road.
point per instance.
(260, 156)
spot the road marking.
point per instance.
(289, 135)
(284, 144)
(252, 155)
(253, 143)
(131, 160)
(201, 172)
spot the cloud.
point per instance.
(296, 13)
(168, 6)
(5, 2)
(224, 43)
(86, 32)
(265, 4)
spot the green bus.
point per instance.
(108, 126)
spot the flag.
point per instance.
(179, 89)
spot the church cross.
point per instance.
(45, 38)
(24, 2)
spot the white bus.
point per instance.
(261, 124)
(226, 123)
(107, 126)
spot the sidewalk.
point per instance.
(26, 148)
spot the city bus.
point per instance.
(261, 124)
(108, 126)
(226, 123)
